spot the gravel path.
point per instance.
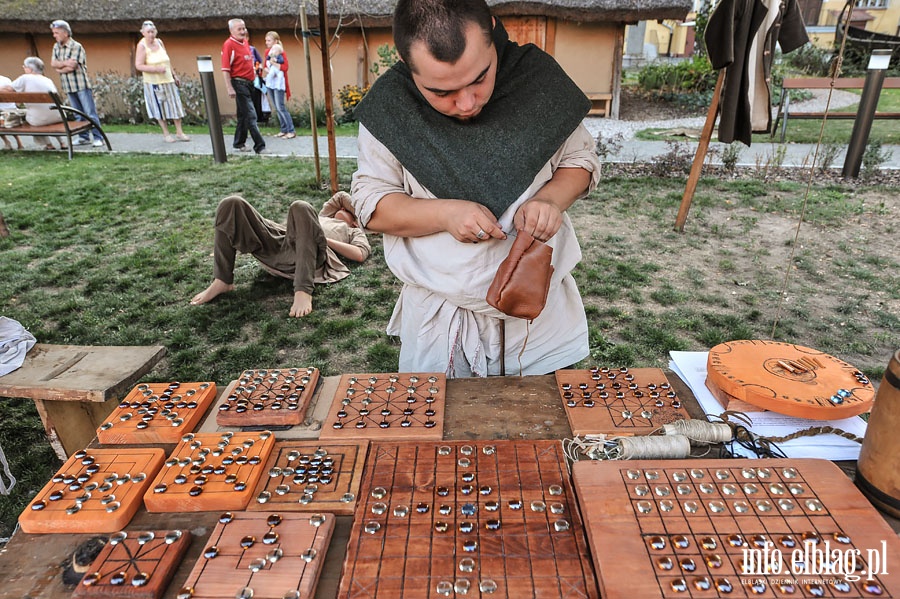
(609, 128)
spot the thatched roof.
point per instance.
(117, 16)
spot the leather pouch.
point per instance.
(522, 281)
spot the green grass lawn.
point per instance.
(107, 249)
(343, 130)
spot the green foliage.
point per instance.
(120, 99)
(874, 157)
(810, 60)
(387, 56)
(694, 75)
(688, 83)
(700, 23)
(301, 117)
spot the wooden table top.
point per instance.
(79, 373)
(494, 408)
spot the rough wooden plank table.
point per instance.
(495, 408)
(75, 387)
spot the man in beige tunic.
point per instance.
(467, 140)
(306, 250)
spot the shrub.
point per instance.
(694, 75)
(120, 99)
(301, 117)
(349, 96)
(810, 60)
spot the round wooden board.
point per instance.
(789, 379)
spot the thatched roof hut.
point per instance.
(114, 16)
(585, 36)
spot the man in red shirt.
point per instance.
(237, 69)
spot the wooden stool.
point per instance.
(75, 387)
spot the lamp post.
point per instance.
(865, 114)
(205, 66)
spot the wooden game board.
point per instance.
(275, 397)
(134, 564)
(209, 472)
(481, 519)
(619, 401)
(387, 407)
(303, 476)
(97, 490)
(680, 528)
(262, 555)
(789, 379)
(157, 413)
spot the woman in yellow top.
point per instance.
(160, 83)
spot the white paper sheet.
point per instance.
(691, 367)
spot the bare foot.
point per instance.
(302, 304)
(216, 288)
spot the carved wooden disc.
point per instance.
(789, 379)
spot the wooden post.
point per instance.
(329, 101)
(304, 26)
(4, 230)
(700, 156)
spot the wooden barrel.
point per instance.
(878, 471)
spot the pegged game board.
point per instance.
(733, 528)
(96, 490)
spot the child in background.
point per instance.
(276, 84)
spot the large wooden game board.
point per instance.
(689, 528)
(788, 379)
(157, 413)
(262, 555)
(134, 564)
(618, 401)
(387, 407)
(210, 471)
(97, 490)
(272, 397)
(303, 476)
(480, 519)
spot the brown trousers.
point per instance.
(296, 250)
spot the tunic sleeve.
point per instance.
(378, 174)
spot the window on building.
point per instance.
(871, 3)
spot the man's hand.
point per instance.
(541, 218)
(404, 216)
(470, 222)
(231, 93)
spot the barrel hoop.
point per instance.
(891, 379)
(875, 493)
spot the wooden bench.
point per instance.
(824, 83)
(600, 103)
(75, 387)
(65, 129)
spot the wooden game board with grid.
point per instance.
(485, 519)
(157, 413)
(210, 471)
(618, 401)
(134, 564)
(270, 397)
(97, 490)
(303, 476)
(263, 556)
(689, 528)
(408, 406)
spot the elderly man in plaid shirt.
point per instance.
(70, 61)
